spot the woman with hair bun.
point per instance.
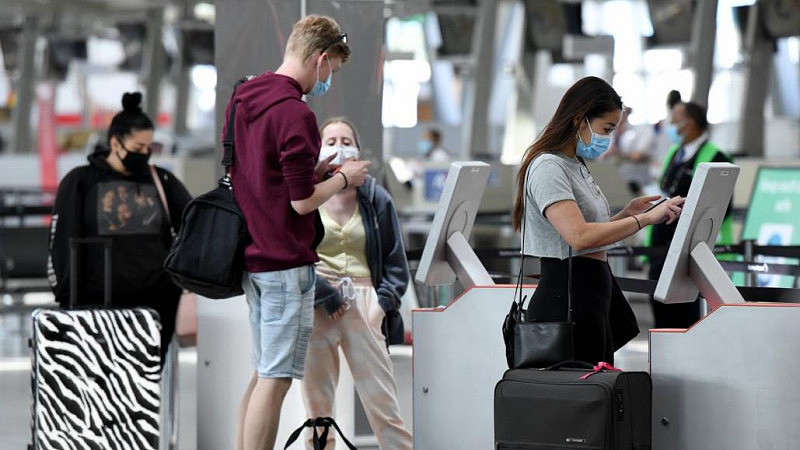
(115, 197)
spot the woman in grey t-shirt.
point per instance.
(562, 212)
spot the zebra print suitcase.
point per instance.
(95, 374)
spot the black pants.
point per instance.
(592, 283)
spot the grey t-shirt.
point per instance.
(553, 177)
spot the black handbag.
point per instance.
(319, 440)
(537, 344)
(207, 255)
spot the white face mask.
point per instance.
(342, 153)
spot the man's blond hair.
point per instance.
(317, 33)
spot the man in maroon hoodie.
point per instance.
(279, 189)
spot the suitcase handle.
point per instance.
(73, 268)
(573, 364)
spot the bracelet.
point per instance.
(638, 224)
(345, 180)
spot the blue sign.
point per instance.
(434, 184)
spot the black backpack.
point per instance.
(207, 255)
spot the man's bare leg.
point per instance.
(263, 413)
(243, 410)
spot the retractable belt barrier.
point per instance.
(26, 202)
(785, 251)
(645, 286)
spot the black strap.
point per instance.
(163, 196)
(569, 286)
(227, 143)
(749, 293)
(522, 264)
(319, 441)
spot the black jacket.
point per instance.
(386, 257)
(96, 201)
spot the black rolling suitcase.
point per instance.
(95, 373)
(546, 409)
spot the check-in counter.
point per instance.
(732, 381)
(459, 356)
(224, 370)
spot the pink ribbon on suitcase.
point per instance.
(599, 367)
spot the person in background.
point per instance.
(688, 130)
(361, 276)
(660, 142)
(430, 147)
(632, 147)
(277, 184)
(563, 214)
(642, 150)
(89, 203)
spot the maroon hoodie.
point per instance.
(277, 146)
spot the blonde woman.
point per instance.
(361, 276)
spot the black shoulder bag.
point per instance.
(207, 255)
(537, 344)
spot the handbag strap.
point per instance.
(569, 286)
(163, 197)
(522, 263)
(228, 143)
(319, 440)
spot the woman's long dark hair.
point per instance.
(130, 119)
(589, 97)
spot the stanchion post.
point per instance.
(747, 252)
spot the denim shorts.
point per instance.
(281, 319)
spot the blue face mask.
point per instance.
(673, 133)
(320, 88)
(424, 146)
(597, 145)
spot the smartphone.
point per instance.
(658, 202)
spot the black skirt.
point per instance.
(592, 289)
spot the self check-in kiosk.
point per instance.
(690, 265)
(726, 383)
(458, 351)
(447, 252)
(729, 381)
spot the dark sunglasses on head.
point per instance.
(342, 37)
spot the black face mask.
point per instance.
(135, 163)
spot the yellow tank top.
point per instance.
(343, 249)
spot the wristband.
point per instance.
(345, 180)
(638, 224)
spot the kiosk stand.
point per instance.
(458, 351)
(728, 381)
